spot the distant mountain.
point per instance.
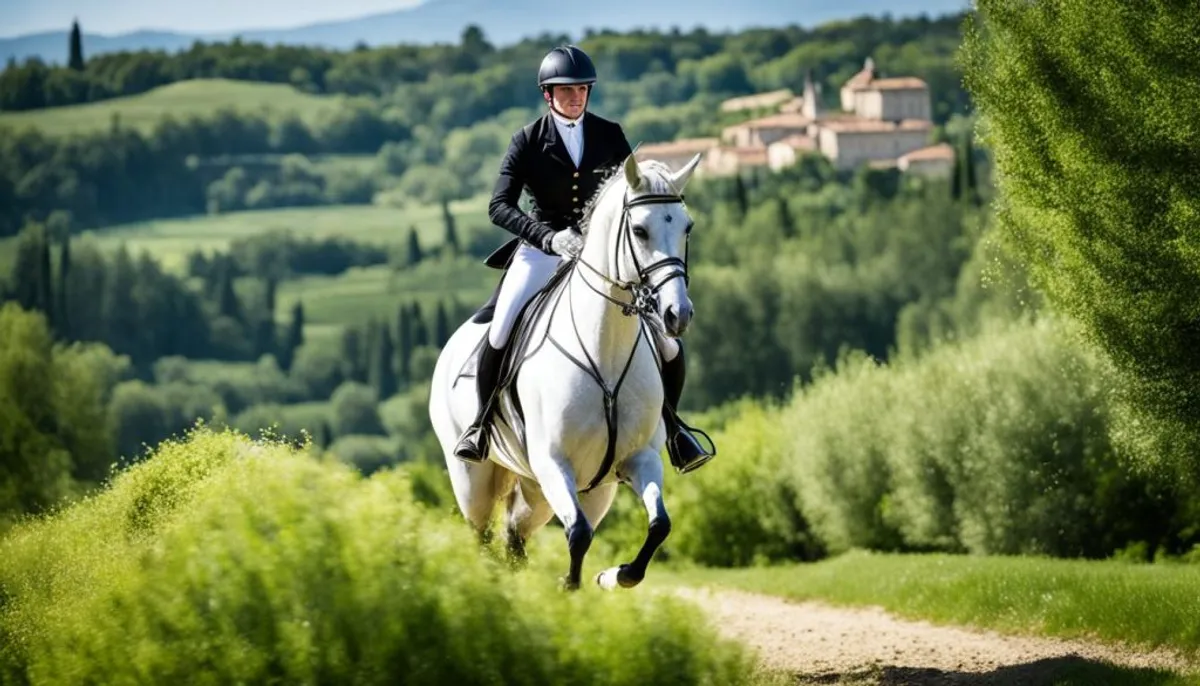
(503, 22)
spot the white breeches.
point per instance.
(530, 270)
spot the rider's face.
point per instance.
(569, 100)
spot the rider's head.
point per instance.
(566, 78)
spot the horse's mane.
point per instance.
(656, 173)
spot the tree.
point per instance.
(294, 338)
(451, 240)
(414, 247)
(61, 307)
(963, 185)
(404, 343)
(75, 61)
(441, 326)
(1089, 108)
(740, 195)
(382, 374)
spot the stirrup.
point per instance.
(699, 456)
(473, 445)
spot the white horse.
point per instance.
(587, 415)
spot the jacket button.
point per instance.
(576, 175)
(575, 199)
(574, 188)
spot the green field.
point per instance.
(360, 294)
(171, 240)
(202, 97)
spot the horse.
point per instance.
(578, 410)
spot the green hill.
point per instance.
(200, 97)
(171, 240)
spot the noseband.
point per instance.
(644, 290)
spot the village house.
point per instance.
(676, 153)
(882, 122)
(933, 161)
(758, 101)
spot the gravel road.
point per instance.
(820, 644)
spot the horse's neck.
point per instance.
(607, 334)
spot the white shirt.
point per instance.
(572, 136)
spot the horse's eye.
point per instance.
(640, 232)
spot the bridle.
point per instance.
(643, 291)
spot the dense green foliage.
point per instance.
(790, 268)
(438, 118)
(999, 444)
(1090, 109)
(225, 560)
(472, 80)
(52, 407)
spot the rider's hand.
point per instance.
(567, 243)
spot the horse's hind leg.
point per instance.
(528, 511)
(476, 489)
(644, 473)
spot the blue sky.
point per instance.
(18, 17)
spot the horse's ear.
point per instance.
(633, 175)
(680, 178)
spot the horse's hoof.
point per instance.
(607, 579)
(617, 577)
(566, 584)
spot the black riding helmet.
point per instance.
(566, 65)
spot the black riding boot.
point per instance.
(685, 451)
(473, 446)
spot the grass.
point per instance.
(360, 294)
(1139, 605)
(172, 240)
(200, 97)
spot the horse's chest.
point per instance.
(624, 410)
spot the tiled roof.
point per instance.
(898, 84)
(678, 147)
(749, 102)
(941, 151)
(877, 126)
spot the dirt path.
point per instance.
(821, 644)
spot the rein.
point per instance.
(644, 304)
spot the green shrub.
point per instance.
(739, 510)
(222, 560)
(1000, 444)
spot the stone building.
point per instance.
(882, 121)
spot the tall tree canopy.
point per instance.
(1090, 109)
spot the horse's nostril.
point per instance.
(670, 317)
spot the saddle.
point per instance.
(519, 343)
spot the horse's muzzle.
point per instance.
(677, 319)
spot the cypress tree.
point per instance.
(1099, 182)
(415, 254)
(75, 61)
(451, 240)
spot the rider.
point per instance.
(562, 158)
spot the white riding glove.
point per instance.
(567, 243)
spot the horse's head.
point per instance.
(647, 241)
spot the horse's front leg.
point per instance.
(557, 482)
(644, 473)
